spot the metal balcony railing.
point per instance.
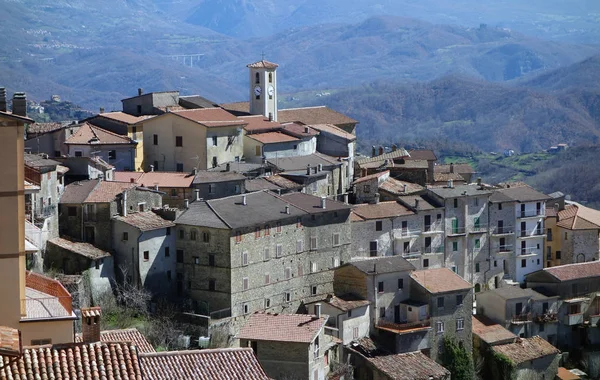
(438, 249)
(504, 230)
(411, 252)
(479, 228)
(530, 213)
(457, 230)
(520, 318)
(406, 233)
(530, 233)
(433, 228)
(528, 251)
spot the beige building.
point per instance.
(39, 307)
(187, 139)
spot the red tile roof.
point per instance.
(574, 271)
(151, 179)
(90, 134)
(106, 191)
(282, 182)
(332, 129)
(346, 302)
(440, 280)
(578, 217)
(458, 168)
(258, 123)
(314, 115)
(74, 361)
(388, 209)
(445, 177)
(124, 117)
(262, 64)
(210, 117)
(145, 221)
(10, 341)
(39, 128)
(132, 336)
(422, 154)
(300, 328)
(371, 176)
(491, 332)
(395, 187)
(409, 366)
(83, 249)
(300, 130)
(216, 364)
(524, 350)
(272, 137)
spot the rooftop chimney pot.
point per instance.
(19, 104)
(323, 202)
(287, 209)
(380, 150)
(3, 99)
(308, 169)
(244, 200)
(140, 91)
(318, 310)
(151, 168)
(452, 167)
(90, 324)
(101, 109)
(197, 193)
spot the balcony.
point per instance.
(410, 253)
(528, 251)
(402, 328)
(506, 248)
(548, 317)
(521, 318)
(457, 231)
(45, 298)
(530, 213)
(479, 229)
(593, 320)
(406, 234)
(529, 233)
(433, 250)
(573, 319)
(433, 229)
(504, 230)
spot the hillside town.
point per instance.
(279, 251)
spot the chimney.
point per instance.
(19, 104)
(186, 203)
(227, 167)
(124, 210)
(151, 168)
(405, 188)
(101, 109)
(140, 91)
(380, 150)
(90, 324)
(3, 99)
(307, 129)
(377, 198)
(132, 180)
(450, 183)
(244, 201)
(479, 181)
(197, 194)
(373, 152)
(194, 171)
(320, 166)
(416, 204)
(308, 169)
(287, 209)
(318, 310)
(556, 209)
(346, 198)
(156, 186)
(452, 167)
(270, 116)
(394, 148)
(323, 202)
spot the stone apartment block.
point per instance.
(466, 232)
(524, 312)
(260, 251)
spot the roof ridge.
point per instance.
(194, 352)
(217, 214)
(302, 108)
(92, 190)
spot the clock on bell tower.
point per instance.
(263, 89)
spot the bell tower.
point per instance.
(263, 89)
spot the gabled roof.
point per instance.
(445, 177)
(512, 292)
(346, 302)
(398, 153)
(92, 135)
(381, 210)
(74, 361)
(299, 130)
(578, 217)
(208, 176)
(38, 161)
(396, 187)
(209, 117)
(259, 123)
(93, 191)
(132, 336)
(196, 101)
(409, 366)
(41, 128)
(123, 117)
(272, 137)
(299, 328)
(259, 184)
(262, 64)
(524, 350)
(456, 168)
(422, 154)
(333, 130)
(518, 194)
(566, 272)
(425, 202)
(371, 176)
(214, 364)
(301, 162)
(491, 332)
(313, 116)
(12, 116)
(160, 179)
(440, 280)
(145, 221)
(460, 191)
(381, 264)
(312, 204)
(83, 249)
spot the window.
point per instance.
(382, 312)
(499, 206)
(440, 302)
(211, 260)
(57, 153)
(125, 236)
(549, 234)
(266, 254)
(244, 258)
(336, 239)
(169, 275)
(566, 236)
(439, 327)
(173, 192)
(557, 255)
(367, 188)
(270, 77)
(455, 203)
(542, 326)
(288, 296)
(179, 167)
(167, 252)
(373, 248)
(460, 324)
(155, 165)
(378, 225)
(146, 255)
(298, 246)
(313, 290)
(257, 232)
(267, 230)
(380, 286)
(278, 227)
(72, 211)
(267, 279)
(40, 342)
(256, 78)
(193, 234)
(205, 236)
(212, 285)
(179, 254)
(238, 237)
(178, 141)
(246, 308)
(313, 243)
(476, 201)
(214, 141)
(313, 267)
(477, 243)
(400, 283)
(196, 260)
(523, 263)
(267, 303)
(245, 283)
(97, 263)
(168, 231)
(336, 262)
(237, 189)
(477, 267)
(298, 223)
(425, 263)
(350, 313)
(454, 246)
(112, 154)
(78, 153)
(155, 139)
(295, 146)
(257, 151)
(211, 188)
(459, 300)
(300, 270)
(214, 162)
(545, 307)
(279, 250)
(495, 263)
(287, 273)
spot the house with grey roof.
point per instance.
(210, 184)
(260, 251)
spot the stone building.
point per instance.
(278, 144)
(260, 251)
(349, 316)
(218, 184)
(532, 358)
(175, 187)
(49, 138)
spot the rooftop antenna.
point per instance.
(263, 55)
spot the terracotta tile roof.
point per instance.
(458, 168)
(40, 128)
(371, 176)
(10, 341)
(237, 107)
(398, 153)
(106, 191)
(524, 350)
(576, 271)
(332, 129)
(90, 134)
(409, 366)
(445, 177)
(299, 130)
(258, 123)
(38, 161)
(396, 187)
(491, 332)
(12, 116)
(210, 117)
(565, 374)
(355, 218)
(145, 221)
(77, 192)
(381, 264)
(272, 137)
(125, 118)
(578, 217)
(314, 115)
(346, 302)
(83, 249)
(208, 176)
(74, 361)
(151, 179)
(214, 364)
(422, 154)
(389, 209)
(440, 280)
(300, 328)
(282, 182)
(425, 203)
(90, 312)
(132, 336)
(262, 64)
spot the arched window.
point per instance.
(257, 78)
(270, 77)
(581, 258)
(477, 288)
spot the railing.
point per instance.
(405, 233)
(433, 228)
(479, 228)
(45, 212)
(504, 230)
(404, 326)
(573, 319)
(528, 233)
(528, 251)
(438, 249)
(457, 230)
(219, 314)
(47, 307)
(33, 175)
(520, 318)
(410, 252)
(52, 288)
(33, 234)
(530, 213)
